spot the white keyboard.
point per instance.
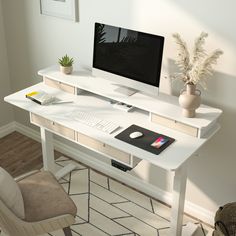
(93, 121)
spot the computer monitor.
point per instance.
(130, 58)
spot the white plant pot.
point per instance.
(66, 69)
(190, 100)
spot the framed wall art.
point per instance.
(67, 9)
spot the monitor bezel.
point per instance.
(130, 82)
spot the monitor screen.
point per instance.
(128, 53)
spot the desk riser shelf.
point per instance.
(155, 118)
(157, 107)
(167, 122)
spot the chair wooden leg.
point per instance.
(67, 231)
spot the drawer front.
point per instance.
(60, 129)
(117, 154)
(59, 85)
(187, 129)
(89, 142)
(104, 148)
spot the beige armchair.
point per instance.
(34, 204)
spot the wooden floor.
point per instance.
(20, 154)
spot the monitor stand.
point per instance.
(126, 90)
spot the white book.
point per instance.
(41, 97)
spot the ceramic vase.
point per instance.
(66, 69)
(190, 100)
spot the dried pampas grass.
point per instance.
(197, 68)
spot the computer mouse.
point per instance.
(136, 134)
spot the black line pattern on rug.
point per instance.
(131, 201)
(112, 204)
(111, 220)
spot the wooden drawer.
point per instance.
(59, 85)
(173, 124)
(89, 142)
(103, 148)
(117, 154)
(57, 128)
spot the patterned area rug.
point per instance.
(107, 207)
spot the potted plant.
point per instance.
(66, 64)
(193, 70)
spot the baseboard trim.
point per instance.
(7, 129)
(151, 190)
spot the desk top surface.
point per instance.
(170, 159)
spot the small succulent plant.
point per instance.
(66, 61)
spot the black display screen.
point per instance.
(128, 53)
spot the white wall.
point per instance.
(35, 41)
(6, 112)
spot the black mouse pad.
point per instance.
(150, 141)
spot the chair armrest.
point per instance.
(19, 178)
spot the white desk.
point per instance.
(57, 119)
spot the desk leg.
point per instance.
(48, 155)
(47, 150)
(177, 211)
(179, 187)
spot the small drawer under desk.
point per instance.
(117, 154)
(108, 150)
(59, 85)
(53, 126)
(89, 142)
(173, 124)
(85, 140)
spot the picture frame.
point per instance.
(67, 9)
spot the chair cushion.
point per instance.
(44, 197)
(10, 194)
